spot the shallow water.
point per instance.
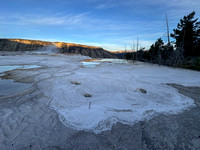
(8, 87)
(8, 68)
(95, 62)
(29, 66)
(117, 61)
(90, 64)
(12, 67)
(2, 74)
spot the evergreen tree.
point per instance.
(156, 49)
(187, 35)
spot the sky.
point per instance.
(111, 24)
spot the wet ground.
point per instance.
(38, 127)
(26, 122)
(96, 62)
(8, 86)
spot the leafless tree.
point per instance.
(137, 48)
(133, 46)
(167, 23)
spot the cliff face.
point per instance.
(69, 48)
(21, 45)
(95, 52)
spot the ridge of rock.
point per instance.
(66, 48)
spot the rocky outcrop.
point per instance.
(21, 45)
(67, 48)
(95, 52)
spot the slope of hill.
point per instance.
(68, 48)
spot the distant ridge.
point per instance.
(62, 47)
(123, 51)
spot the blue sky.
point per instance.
(110, 24)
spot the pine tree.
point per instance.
(156, 51)
(156, 47)
(187, 35)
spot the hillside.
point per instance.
(67, 48)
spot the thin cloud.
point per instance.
(93, 21)
(103, 4)
(44, 20)
(106, 4)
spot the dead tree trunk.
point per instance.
(167, 29)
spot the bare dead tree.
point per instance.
(167, 23)
(133, 46)
(137, 48)
(137, 44)
(125, 51)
